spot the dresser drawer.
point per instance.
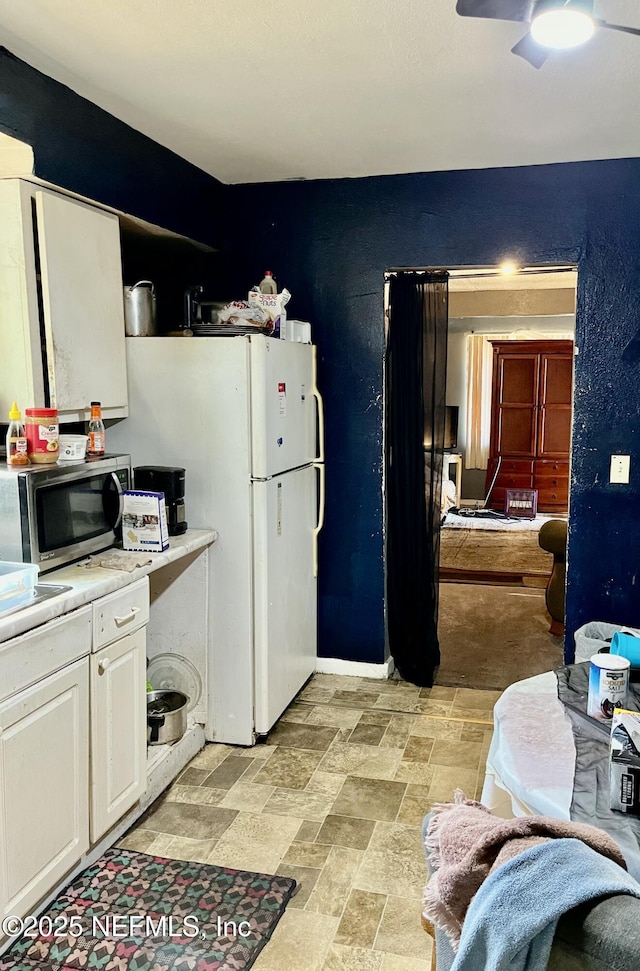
(120, 613)
(551, 467)
(514, 466)
(550, 498)
(551, 482)
(507, 480)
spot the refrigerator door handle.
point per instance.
(320, 405)
(321, 471)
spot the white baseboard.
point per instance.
(354, 669)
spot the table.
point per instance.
(531, 762)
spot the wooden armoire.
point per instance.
(531, 421)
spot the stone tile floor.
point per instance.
(335, 798)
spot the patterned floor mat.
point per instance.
(134, 912)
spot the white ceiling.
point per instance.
(262, 90)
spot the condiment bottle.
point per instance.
(42, 435)
(17, 447)
(96, 431)
(268, 284)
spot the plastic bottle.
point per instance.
(17, 448)
(268, 284)
(96, 431)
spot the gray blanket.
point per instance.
(590, 802)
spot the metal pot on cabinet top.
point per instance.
(140, 309)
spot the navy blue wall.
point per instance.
(330, 243)
(80, 147)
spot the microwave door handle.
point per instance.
(117, 484)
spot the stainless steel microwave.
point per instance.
(53, 514)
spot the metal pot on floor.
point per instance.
(166, 716)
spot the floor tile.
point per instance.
(449, 752)
(192, 776)
(394, 862)
(197, 795)
(137, 839)
(329, 782)
(359, 923)
(375, 717)
(415, 805)
(186, 819)
(308, 830)
(305, 877)
(356, 699)
(316, 696)
(480, 715)
(304, 805)
(255, 841)
(397, 962)
(341, 958)
(437, 728)
(439, 708)
(161, 845)
(316, 738)
(197, 851)
(441, 693)
(448, 778)
(301, 940)
(419, 773)
(474, 698)
(366, 761)
(417, 749)
(369, 799)
(346, 831)
(333, 886)
(288, 768)
(247, 796)
(307, 854)
(367, 734)
(210, 756)
(227, 773)
(333, 717)
(341, 682)
(400, 930)
(296, 713)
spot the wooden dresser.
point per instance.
(531, 421)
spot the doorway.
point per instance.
(493, 627)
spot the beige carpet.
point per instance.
(480, 551)
(491, 636)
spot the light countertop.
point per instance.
(89, 583)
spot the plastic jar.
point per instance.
(42, 435)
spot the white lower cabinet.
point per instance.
(118, 730)
(44, 780)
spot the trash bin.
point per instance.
(593, 637)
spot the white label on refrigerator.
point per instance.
(282, 397)
(279, 509)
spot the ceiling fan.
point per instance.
(553, 24)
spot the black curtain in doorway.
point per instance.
(415, 380)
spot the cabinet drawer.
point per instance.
(515, 466)
(512, 481)
(118, 614)
(545, 483)
(38, 653)
(553, 497)
(551, 467)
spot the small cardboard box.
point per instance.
(273, 304)
(144, 522)
(624, 761)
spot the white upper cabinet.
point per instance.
(61, 305)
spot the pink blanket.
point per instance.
(466, 843)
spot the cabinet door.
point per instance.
(44, 778)
(515, 404)
(80, 263)
(118, 730)
(554, 417)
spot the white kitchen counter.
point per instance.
(89, 583)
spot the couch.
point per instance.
(598, 936)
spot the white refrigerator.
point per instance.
(244, 417)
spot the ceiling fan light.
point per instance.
(562, 28)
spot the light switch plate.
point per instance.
(620, 465)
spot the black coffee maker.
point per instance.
(164, 478)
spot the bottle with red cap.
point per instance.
(268, 284)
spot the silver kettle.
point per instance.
(140, 309)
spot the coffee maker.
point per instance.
(171, 481)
